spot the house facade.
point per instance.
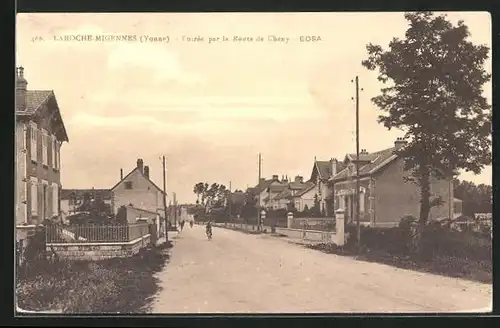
(385, 197)
(321, 173)
(137, 190)
(304, 197)
(40, 133)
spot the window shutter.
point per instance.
(45, 149)
(55, 199)
(33, 138)
(50, 209)
(34, 198)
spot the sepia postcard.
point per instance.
(194, 163)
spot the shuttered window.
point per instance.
(53, 151)
(33, 140)
(55, 199)
(34, 196)
(45, 148)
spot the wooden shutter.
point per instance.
(55, 199)
(34, 197)
(33, 140)
(49, 202)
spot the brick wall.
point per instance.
(95, 251)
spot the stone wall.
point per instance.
(99, 251)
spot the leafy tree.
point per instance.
(475, 198)
(434, 79)
(198, 189)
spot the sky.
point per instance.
(211, 106)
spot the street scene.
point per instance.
(290, 279)
(253, 163)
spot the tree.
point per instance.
(475, 198)
(434, 93)
(198, 189)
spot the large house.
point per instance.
(40, 133)
(138, 192)
(321, 173)
(385, 197)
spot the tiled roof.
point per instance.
(296, 185)
(284, 194)
(278, 187)
(104, 193)
(377, 158)
(324, 169)
(262, 185)
(307, 186)
(34, 100)
(136, 168)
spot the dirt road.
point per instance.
(240, 273)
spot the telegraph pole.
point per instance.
(175, 209)
(165, 195)
(357, 165)
(230, 200)
(258, 183)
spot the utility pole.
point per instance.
(357, 165)
(258, 183)
(230, 200)
(165, 195)
(175, 209)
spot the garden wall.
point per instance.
(99, 251)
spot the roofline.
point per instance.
(125, 177)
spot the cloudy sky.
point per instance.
(211, 108)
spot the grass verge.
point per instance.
(464, 268)
(119, 285)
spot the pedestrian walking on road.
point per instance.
(182, 225)
(191, 224)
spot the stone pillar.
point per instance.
(340, 225)
(289, 220)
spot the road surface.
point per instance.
(242, 273)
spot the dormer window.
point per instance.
(128, 184)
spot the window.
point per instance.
(45, 148)
(53, 151)
(34, 135)
(128, 184)
(34, 195)
(55, 199)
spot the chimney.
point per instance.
(299, 179)
(146, 171)
(140, 165)
(400, 142)
(364, 152)
(261, 180)
(21, 85)
(121, 174)
(275, 177)
(333, 162)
